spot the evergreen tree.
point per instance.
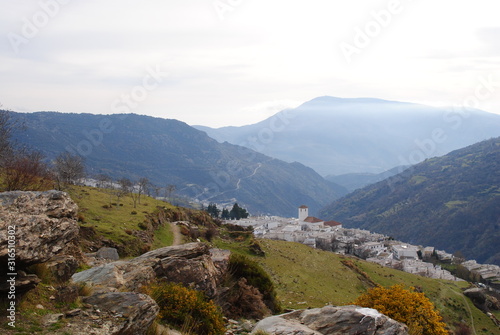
(238, 212)
(225, 214)
(213, 210)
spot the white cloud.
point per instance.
(261, 53)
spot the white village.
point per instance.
(376, 248)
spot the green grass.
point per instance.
(114, 220)
(306, 277)
(163, 237)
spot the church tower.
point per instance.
(303, 212)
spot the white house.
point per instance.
(403, 251)
(273, 225)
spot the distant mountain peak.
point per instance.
(337, 136)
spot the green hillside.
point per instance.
(450, 202)
(306, 277)
(106, 221)
(303, 277)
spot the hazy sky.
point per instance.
(235, 62)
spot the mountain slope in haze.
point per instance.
(451, 202)
(338, 136)
(354, 181)
(171, 152)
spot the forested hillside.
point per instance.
(451, 202)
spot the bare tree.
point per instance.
(170, 189)
(104, 182)
(156, 190)
(69, 168)
(142, 186)
(125, 186)
(27, 171)
(6, 127)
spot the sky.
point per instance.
(237, 62)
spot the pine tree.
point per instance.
(225, 214)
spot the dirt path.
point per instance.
(177, 234)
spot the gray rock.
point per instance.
(331, 320)
(44, 223)
(190, 264)
(133, 312)
(107, 253)
(73, 312)
(62, 267)
(50, 319)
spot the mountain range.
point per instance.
(170, 152)
(336, 136)
(450, 202)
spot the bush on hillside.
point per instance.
(243, 267)
(243, 301)
(186, 309)
(407, 306)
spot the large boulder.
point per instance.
(331, 320)
(133, 312)
(191, 264)
(43, 223)
(118, 313)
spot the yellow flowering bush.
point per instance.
(407, 306)
(186, 309)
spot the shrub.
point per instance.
(243, 267)
(81, 218)
(210, 233)
(243, 301)
(407, 306)
(183, 308)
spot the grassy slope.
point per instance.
(113, 223)
(307, 277)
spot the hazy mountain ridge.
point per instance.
(337, 136)
(354, 181)
(171, 152)
(451, 202)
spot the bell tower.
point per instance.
(303, 212)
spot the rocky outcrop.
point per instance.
(44, 222)
(482, 299)
(194, 265)
(120, 313)
(132, 312)
(37, 227)
(331, 320)
(191, 264)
